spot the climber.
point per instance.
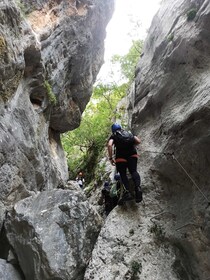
(80, 180)
(125, 158)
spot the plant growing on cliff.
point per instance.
(2, 45)
(157, 231)
(170, 37)
(191, 14)
(22, 7)
(50, 94)
(136, 267)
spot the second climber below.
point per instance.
(125, 158)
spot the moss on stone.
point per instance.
(2, 46)
(170, 37)
(136, 268)
(10, 86)
(51, 95)
(157, 231)
(191, 14)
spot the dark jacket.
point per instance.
(122, 151)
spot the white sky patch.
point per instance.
(121, 31)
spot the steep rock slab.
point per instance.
(15, 128)
(129, 246)
(171, 115)
(53, 234)
(31, 157)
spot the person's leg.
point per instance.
(132, 167)
(121, 168)
(114, 201)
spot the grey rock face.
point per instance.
(72, 37)
(171, 115)
(50, 54)
(8, 271)
(53, 234)
(126, 249)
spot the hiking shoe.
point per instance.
(138, 195)
(126, 196)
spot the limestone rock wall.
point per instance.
(50, 54)
(48, 65)
(171, 115)
(72, 36)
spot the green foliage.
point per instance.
(191, 14)
(170, 37)
(129, 61)
(136, 268)
(84, 144)
(157, 231)
(2, 45)
(22, 7)
(51, 95)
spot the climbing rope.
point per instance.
(188, 175)
(188, 224)
(165, 212)
(193, 181)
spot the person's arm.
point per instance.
(137, 140)
(109, 146)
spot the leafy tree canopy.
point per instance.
(129, 61)
(84, 144)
